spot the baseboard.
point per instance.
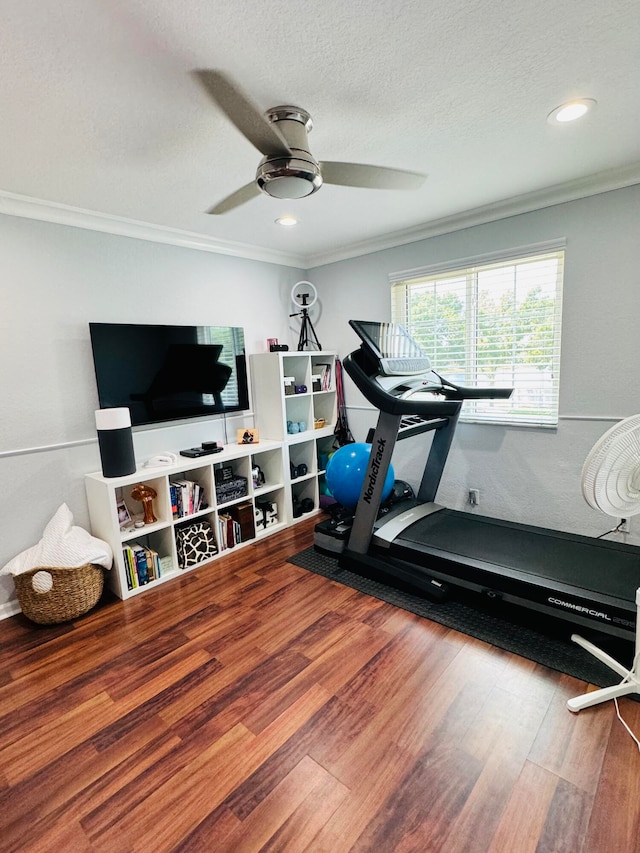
(9, 608)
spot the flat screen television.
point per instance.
(165, 373)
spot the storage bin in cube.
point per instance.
(266, 513)
(231, 490)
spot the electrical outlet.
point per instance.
(474, 497)
(623, 526)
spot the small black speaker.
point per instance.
(115, 441)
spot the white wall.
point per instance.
(55, 280)
(524, 474)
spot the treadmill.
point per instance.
(576, 579)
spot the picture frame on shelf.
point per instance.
(124, 517)
(248, 436)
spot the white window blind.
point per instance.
(491, 321)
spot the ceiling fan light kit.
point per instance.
(288, 170)
(288, 179)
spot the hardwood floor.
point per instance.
(254, 706)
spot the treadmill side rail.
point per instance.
(388, 530)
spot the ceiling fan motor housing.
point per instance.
(296, 176)
(288, 170)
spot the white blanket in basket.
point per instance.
(63, 545)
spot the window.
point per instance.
(491, 321)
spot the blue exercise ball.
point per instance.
(346, 471)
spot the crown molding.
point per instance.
(13, 204)
(601, 182)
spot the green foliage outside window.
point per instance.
(493, 324)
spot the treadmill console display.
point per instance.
(396, 351)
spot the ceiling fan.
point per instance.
(288, 169)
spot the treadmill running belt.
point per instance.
(515, 549)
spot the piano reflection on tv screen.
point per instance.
(189, 373)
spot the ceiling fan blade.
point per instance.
(370, 177)
(241, 196)
(242, 112)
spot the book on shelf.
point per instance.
(153, 564)
(165, 565)
(173, 496)
(140, 560)
(129, 566)
(187, 497)
(323, 371)
(229, 532)
(142, 565)
(154, 569)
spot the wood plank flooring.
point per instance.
(254, 706)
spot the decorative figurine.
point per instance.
(145, 494)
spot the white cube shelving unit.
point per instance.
(295, 400)
(104, 494)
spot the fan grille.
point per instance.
(611, 472)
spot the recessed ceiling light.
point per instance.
(287, 221)
(571, 111)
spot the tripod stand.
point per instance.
(305, 330)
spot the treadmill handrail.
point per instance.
(466, 392)
(435, 408)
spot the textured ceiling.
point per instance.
(100, 112)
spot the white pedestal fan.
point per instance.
(611, 483)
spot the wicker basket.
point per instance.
(74, 591)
